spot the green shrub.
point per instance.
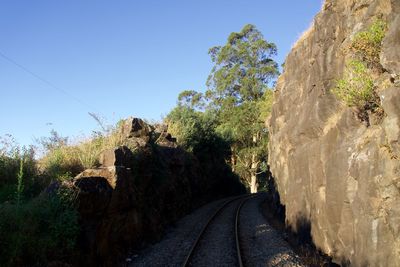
(356, 88)
(195, 130)
(367, 44)
(34, 228)
(11, 156)
(38, 227)
(39, 230)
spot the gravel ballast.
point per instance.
(261, 245)
(174, 247)
(217, 246)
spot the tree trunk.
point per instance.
(253, 172)
(233, 159)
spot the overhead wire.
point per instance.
(51, 85)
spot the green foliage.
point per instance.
(243, 68)
(194, 130)
(236, 104)
(34, 228)
(59, 161)
(37, 227)
(244, 127)
(238, 92)
(20, 183)
(38, 230)
(191, 99)
(11, 157)
(59, 158)
(367, 44)
(356, 88)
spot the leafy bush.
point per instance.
(196, 131)
(367, 44)
(11, 156)
(37, 227)
(356, 88)
(39, 230)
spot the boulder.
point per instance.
(120, 156)
(166, 139)
(108, 173)
(135, 127)
(94, 195)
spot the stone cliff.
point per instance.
(331, 168)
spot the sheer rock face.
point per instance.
(330, 168)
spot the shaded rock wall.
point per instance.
(139, 189)
(331, 168)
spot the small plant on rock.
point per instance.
(356, 88)
(367, 44)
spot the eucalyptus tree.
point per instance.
(239, 92)
(239, 95)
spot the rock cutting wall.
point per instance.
(139, 189)
(331, 169)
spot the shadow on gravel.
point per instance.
(299, 237)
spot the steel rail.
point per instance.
(195, 243)
(237, 219)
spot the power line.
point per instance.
(45, 81)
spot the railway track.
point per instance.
(213, 219)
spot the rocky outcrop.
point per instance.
(331, 169)
(139, 189)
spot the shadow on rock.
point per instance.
(297, 235)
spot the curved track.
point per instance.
(213, 219)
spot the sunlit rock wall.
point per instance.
(332, 169)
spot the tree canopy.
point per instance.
(243, 67)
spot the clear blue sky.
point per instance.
(121, 57)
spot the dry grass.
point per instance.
(83, 154)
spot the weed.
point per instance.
(356, 88)
(20, 181)
(367, 44)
